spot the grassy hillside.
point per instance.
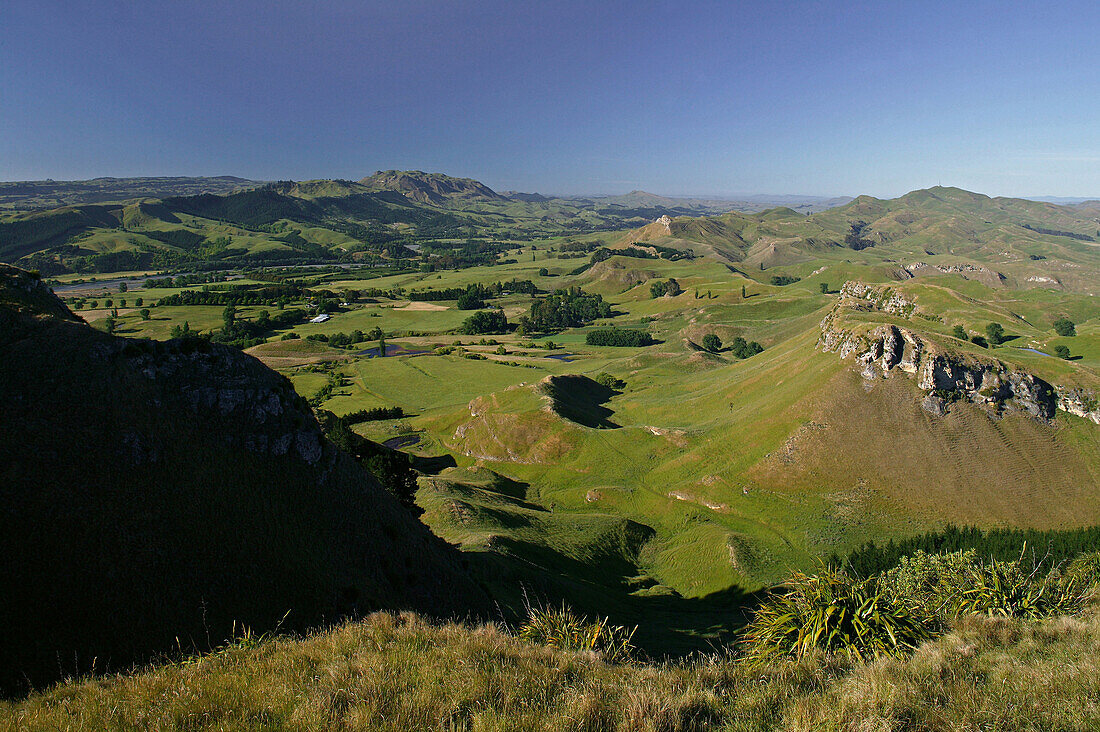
(666, 485)
(155, 494)
(997, 241)
(398, 673)
(162, 223)
(705, 476)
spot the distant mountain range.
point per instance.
(287, 222)
(416, 186)
(44, 194)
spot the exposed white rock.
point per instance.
(945, 376)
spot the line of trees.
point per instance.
(1051, 546)
(272, 295)
(373, 415)
(618, 337)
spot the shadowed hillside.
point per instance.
(154, 493)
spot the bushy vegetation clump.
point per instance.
(562, 628)
(833, 613)
(1082, 574)
(995, 334)
(611, 382)
(947, 586)
(837, 613)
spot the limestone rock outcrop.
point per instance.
(883, 350)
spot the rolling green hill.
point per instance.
(662, 485)
(304, 222)
(996, 240)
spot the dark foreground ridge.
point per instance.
(154, 494)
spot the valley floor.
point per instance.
(398, 672)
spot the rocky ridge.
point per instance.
(945, 376)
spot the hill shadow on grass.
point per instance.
(669, 625)
(580, 399)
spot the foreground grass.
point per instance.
(394, 672)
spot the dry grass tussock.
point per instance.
(398, 672)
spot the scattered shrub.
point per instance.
(1065, 327)
(605, 379)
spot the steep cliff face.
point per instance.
(945, 376)
(152, 494)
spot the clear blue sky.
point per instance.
(671, 97)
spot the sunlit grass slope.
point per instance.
(400, 673)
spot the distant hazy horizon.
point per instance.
(738, 196)
(705, 99)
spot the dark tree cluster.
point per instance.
(1057, 232)
(485, 322)
(625, 337)
(392, 468)
(1065, 327)
(373, 415)
(476, 291)
(248, 333)
(745, 349)
(669, 287)
(188, 280)
(570, 308)
(783, 280)
(580, 246)
(262, 296)
(855, 239)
